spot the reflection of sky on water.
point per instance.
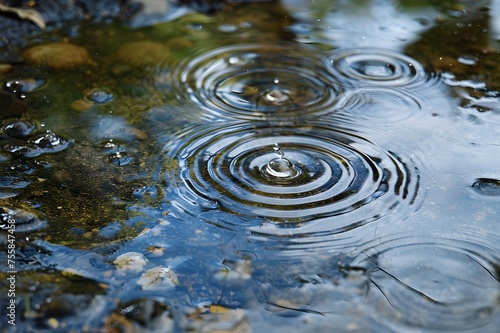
(495, 24)
(383, 24)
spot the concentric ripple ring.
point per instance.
(441, 282)
(388, 107)
(332, 178)
(379, 67)
(253, 82)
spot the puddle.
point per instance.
(261, 167)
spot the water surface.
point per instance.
(274, 167)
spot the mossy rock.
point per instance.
(57, 55)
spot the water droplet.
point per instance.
(235, 60)
(278, 151)
(276, 96)
(21, 87)
(111, 146)
(19, 129)
(119, 159)
(34, 144)
(281, 167)
(47, 140)
(98, 96)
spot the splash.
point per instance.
(331, 181)
(280, 167)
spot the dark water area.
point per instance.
(283, 166)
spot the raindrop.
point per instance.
(48, 143)
(457, 13)
(278, 151)
(281, 167)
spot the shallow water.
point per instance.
(271, 167)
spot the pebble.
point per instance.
(131, 261)
(57, 55)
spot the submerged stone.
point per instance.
(158, 277)
(132, 261)
(57, 55)
(143, 53)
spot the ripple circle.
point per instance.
(379, 67)
(254, 81)
(436, 282)
(386, 107)
(342, 181)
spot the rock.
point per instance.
(57, 55)
(132, 261)
(158, 278)
(144, 53)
